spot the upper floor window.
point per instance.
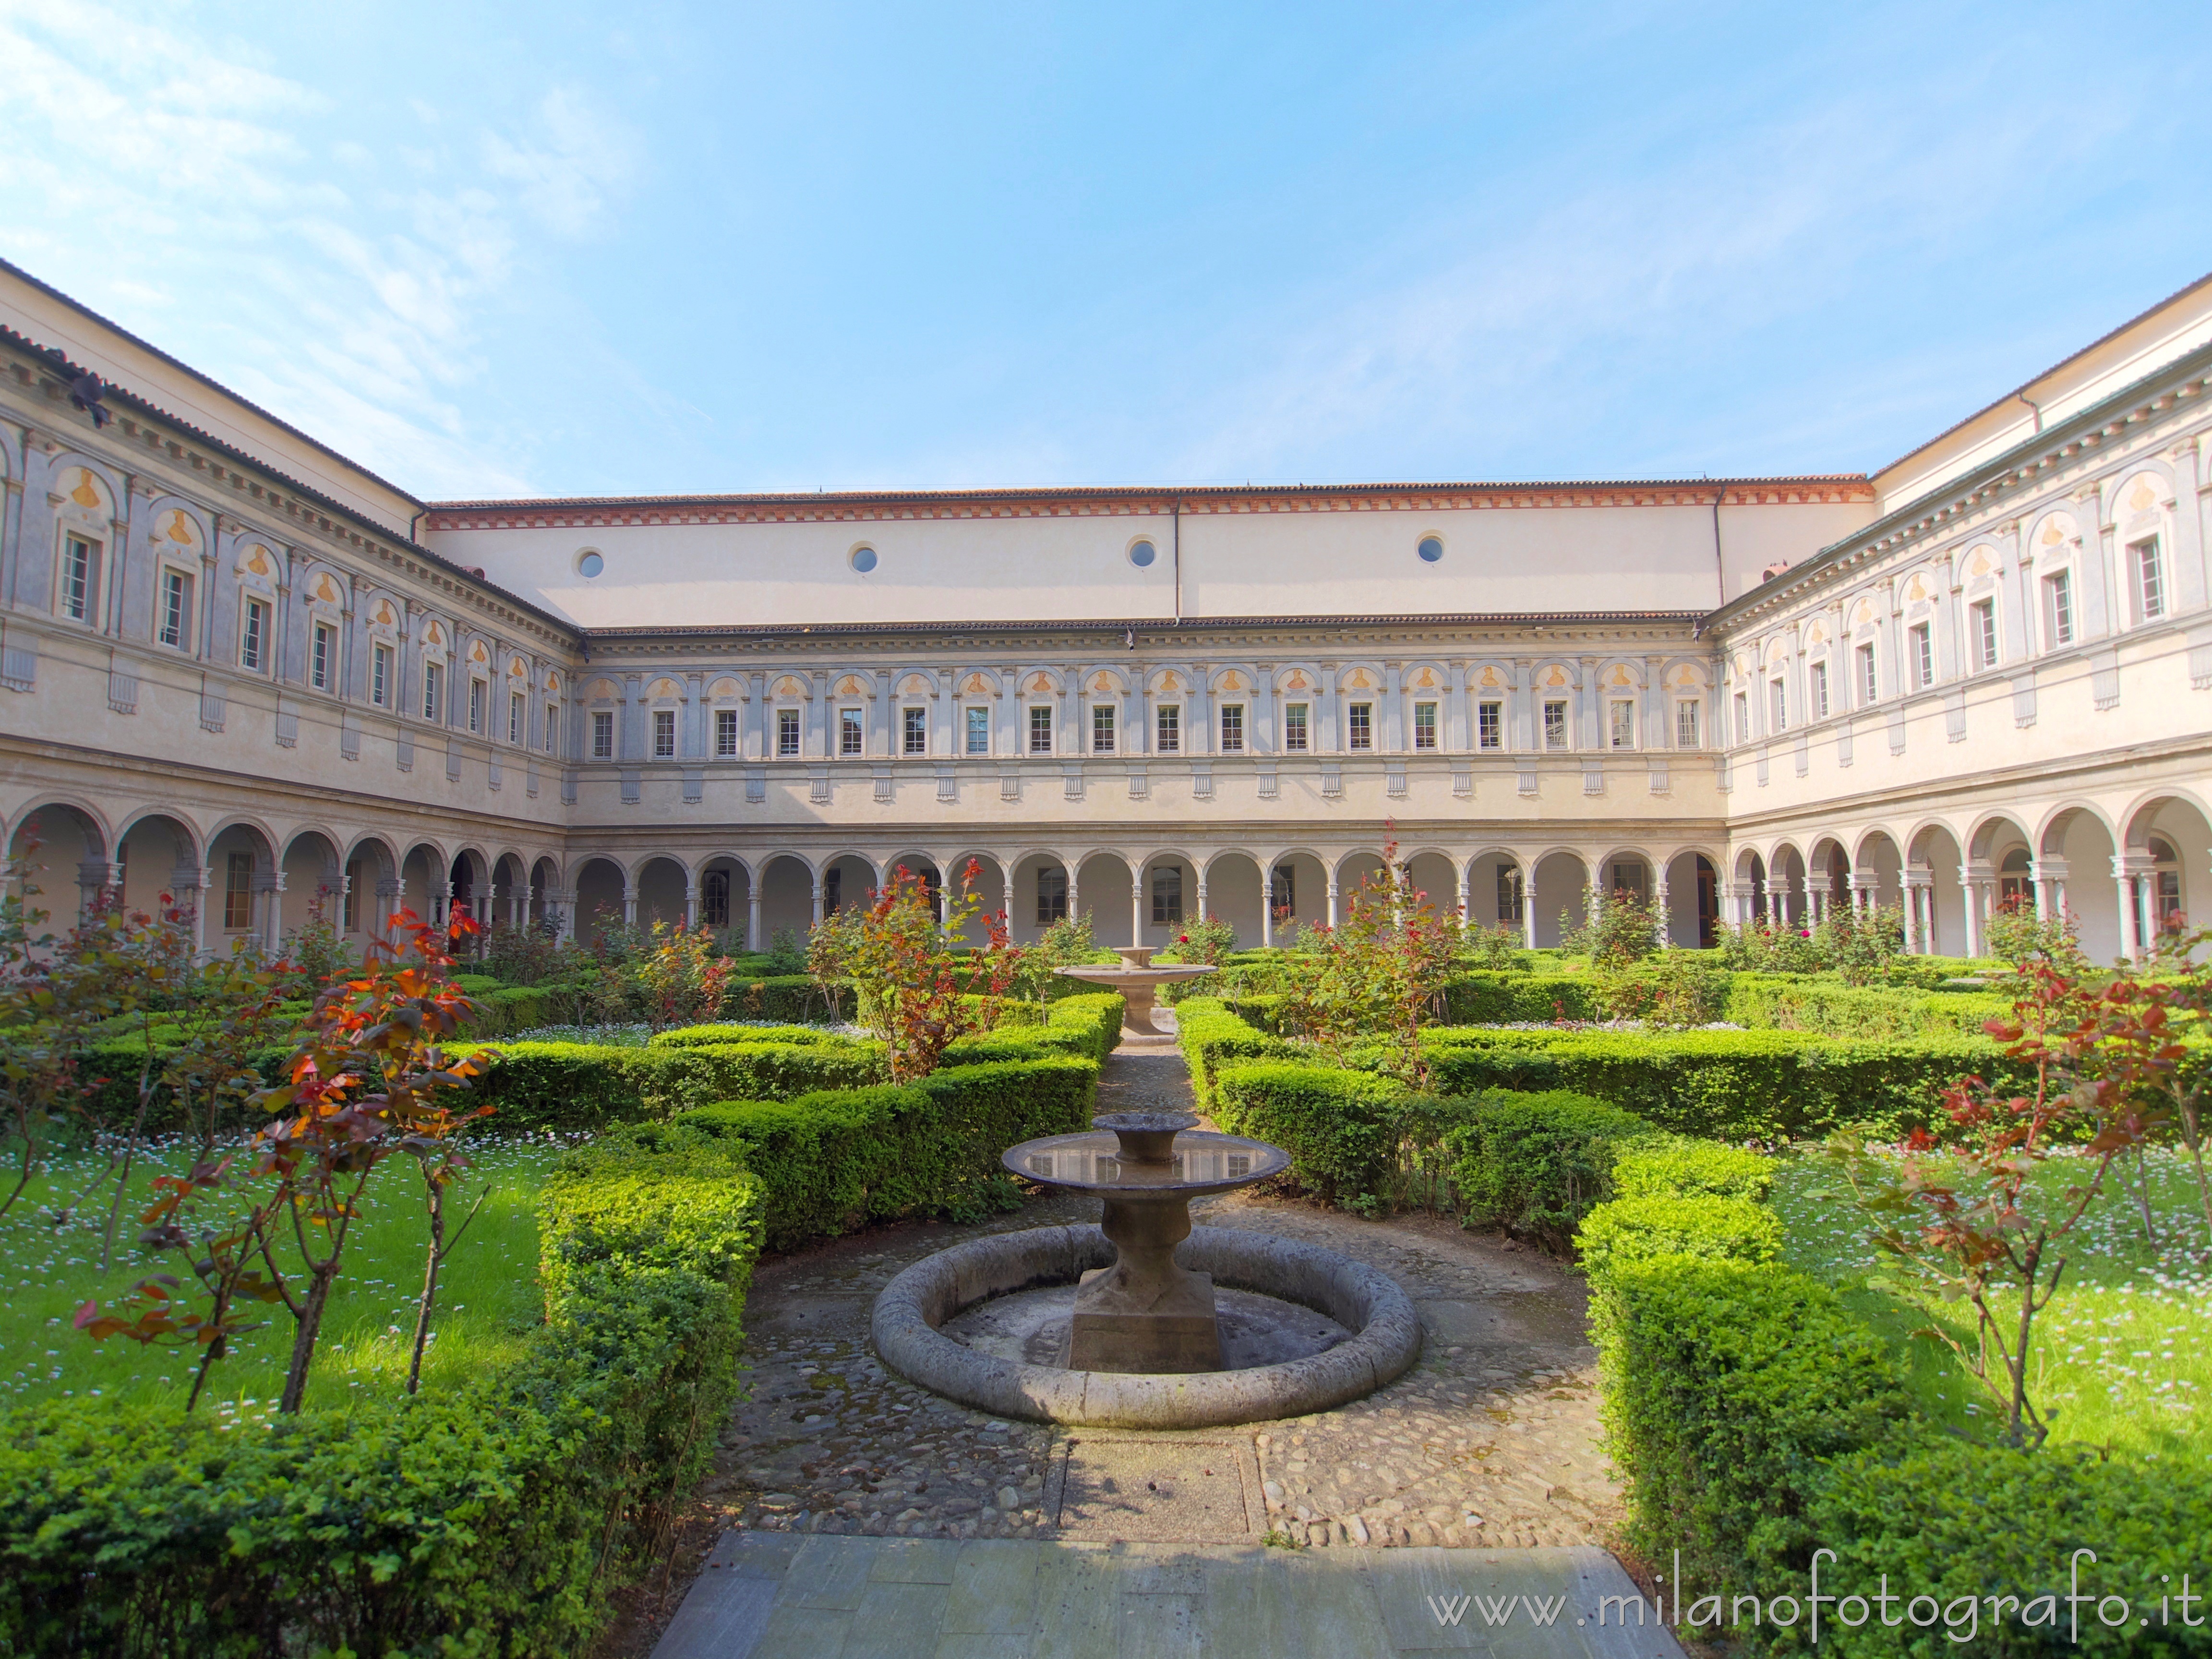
(979, 731)
(2058, 608)
(379, 676)
(477, 692)
(1686, 724)
(433, 688)
(914, 731)
(176, 608)
(515, 719)
(253, 642)
(1555, 723)
(1169, 728)
(849, 738)
(1982, 623)
(1869, 684)
(603, 734)
(726, 734)
(1489, 725)
(552, 727)
(1922, 642)
(2150, 581)
(1232, 728)
(320, 651)
(1359, 725)
(80, 558)
(1778, 706)
(1817, 690)
(787, 732)
(1040, 728)
(1743, 717)
(1294, 727)
(1424, 725)
(1102, 728)
(1621, 729)
(664, 734)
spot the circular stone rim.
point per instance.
(1264, 1169)
(1385, 1339)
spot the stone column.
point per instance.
(1333, 896)
(2129, 871)
(1198, 872)
(1073, 908)
(1919, 908)
(691, 900)
(268, 889)
(1137, 907)
(188, 884)
(95, 878)
(1659, 906)
(1970, 894)
(818, 897)
(630, 900)
(2049, 878)
(752, 911)
(1527, 903)
(1266, 907)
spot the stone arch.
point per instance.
(2076, 845)
(1168, 877)
(2168, 845)
(1235, 891)
(314, 881)
(1692, 914)
(1560, 877)
(243, 875)
(159, 853)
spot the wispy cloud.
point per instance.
(145, 169)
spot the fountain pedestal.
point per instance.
(1145, 1313)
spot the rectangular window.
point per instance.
(1040, 728)
(434, 675)
(77, 577)
(1983, 616)
(1778, 706)
(1510, 900)
(979, 731)
(1294, 727)
(515, 734)
(726, 734)
(914, 731)
(2150, 582)
(1283, 893)
(1924, 654)
(1686, 725)
(379, 676)
(1232, 728)
(1489, 725)
(1167, 896)
(237, 892)
(1555, 725)
(552, 725)
(351, 908)
(1359, 725)
(1621, 725)
(253, 647)
(1052, 894)
(1102, 728)
(479, 692)
(787, 732)
(714, 899)
(176, 607)
(1170, 728)
(1743, 717)
(664, 734)
(603, 734)
(849, 741)
(1424, 725)
(1869, 682)
(2059, 607)
(320, 652)
(1819, 691)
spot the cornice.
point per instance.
(856, 507)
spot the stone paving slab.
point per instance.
(850, 1597)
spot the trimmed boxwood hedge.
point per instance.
(1210, 1037)
(834, 1160)
(1341, 1129)
(490, 1520)
(1536, 1163)
(1702, 1225)
(1677, 1165)
(1792, 1003)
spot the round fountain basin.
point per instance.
(910, 1315)
(1092, 1162)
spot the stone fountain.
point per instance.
(1120, 1324)
(1135, 978)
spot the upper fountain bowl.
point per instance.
(1134, 979)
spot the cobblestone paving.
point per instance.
(1490, 1440)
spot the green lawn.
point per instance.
(2122, 1358)
(488, 1298)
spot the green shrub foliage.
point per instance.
(489, 1521)
(1342, 1128)
(1678, 1167)
(1701, 1224)
(1725, 1385)
(1536, 1163)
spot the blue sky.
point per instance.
(584, 249)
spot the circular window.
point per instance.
(863, 559)
(589, 564)
(1142, 554)
(1431, 550)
